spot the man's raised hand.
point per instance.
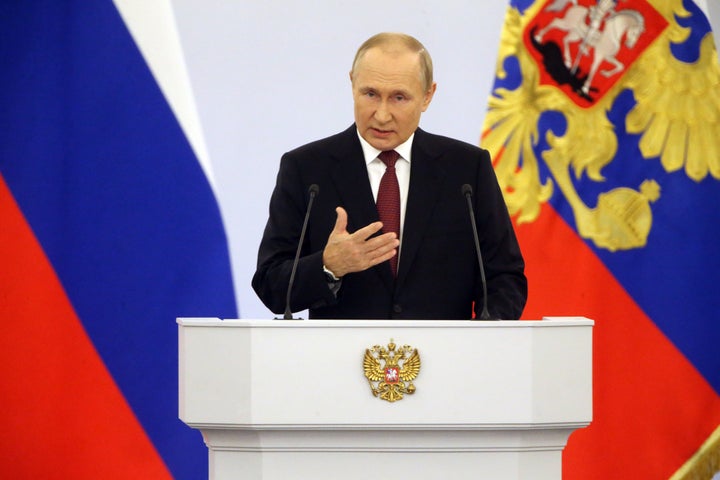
(354, 252)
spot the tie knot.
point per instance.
(389, 157)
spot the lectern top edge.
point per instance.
(268, 323)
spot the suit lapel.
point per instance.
(426, 176)
(350, 177)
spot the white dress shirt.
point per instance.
(376, 169)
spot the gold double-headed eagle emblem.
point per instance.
(390, 371)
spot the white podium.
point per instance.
(289, 399)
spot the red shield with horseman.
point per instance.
(584, 47)
(392, 375)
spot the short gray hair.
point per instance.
(387, 39)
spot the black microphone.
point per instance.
(467, 192)
(313, 192)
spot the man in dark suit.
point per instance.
(351, 266)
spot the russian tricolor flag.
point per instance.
(109, 230)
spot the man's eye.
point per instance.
(399, 98)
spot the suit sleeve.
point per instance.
(503, 261)
(278, 247)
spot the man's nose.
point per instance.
(382, 113)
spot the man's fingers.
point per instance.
(381, 254)
(367, 231)
(386, 240)
(385, 257)
(379, 249)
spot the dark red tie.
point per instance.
(388, 199)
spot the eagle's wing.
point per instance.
(678, 109)
(372, 368)
(411, 367)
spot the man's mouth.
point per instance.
(382, 133)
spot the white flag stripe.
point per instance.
(153, 27)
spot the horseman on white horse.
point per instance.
(605, 41)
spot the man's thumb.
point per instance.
(341, 221)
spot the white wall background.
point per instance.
(270, 76)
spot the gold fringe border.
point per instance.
(705, 463)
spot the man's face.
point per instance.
(389, 96)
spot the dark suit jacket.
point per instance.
(438, 275)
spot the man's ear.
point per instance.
(429, 96)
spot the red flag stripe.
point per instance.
(58, 399)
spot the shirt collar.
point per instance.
(371, 153)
